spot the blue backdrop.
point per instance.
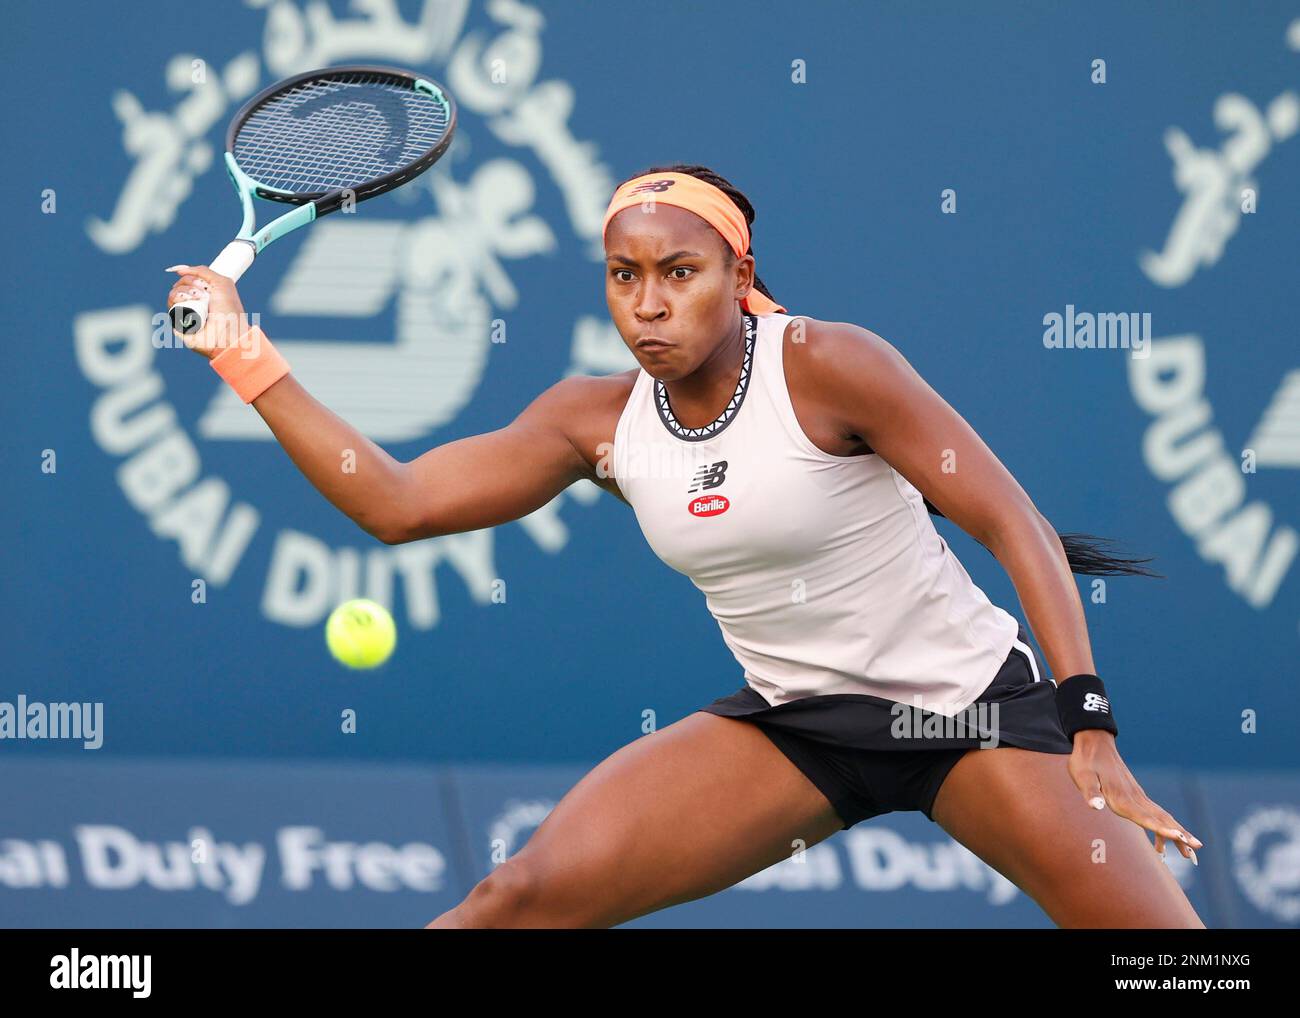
(243, 844)
(949, 178)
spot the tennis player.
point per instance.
(789, 467)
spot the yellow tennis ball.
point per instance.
(360, 634)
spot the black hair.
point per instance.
(1084, 552)
(1085, 555)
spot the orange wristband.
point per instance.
(251, 366)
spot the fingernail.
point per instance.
(1194, 862)
(1097, 802)
(175, 268)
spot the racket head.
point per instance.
(357, 130)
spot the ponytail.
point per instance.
(1086, 556)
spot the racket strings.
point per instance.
(338, 132)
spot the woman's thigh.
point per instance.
(1021, 813)
(676, 815)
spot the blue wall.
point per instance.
(1061, 185)
(291, 845)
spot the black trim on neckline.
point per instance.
(729, 412)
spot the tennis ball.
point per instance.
(360, 634)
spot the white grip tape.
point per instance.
(189, 315)
(234, 260)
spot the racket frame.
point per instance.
(238, 255)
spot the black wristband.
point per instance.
(1081, 702)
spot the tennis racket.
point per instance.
(319, 140)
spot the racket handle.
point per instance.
(190, 315)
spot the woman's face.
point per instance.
(668, 275)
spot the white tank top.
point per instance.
(824, 573)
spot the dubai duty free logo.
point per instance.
(1253, 540)
(434, 286)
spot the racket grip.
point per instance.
(190, 315)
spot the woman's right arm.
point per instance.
(468, 484)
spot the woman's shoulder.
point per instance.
(816, 357)
(817, 349)
(580, 389)
(835, 335)
(590, 405)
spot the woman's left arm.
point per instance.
(866, 388)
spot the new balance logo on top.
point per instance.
(653, 185)
(709, 476)
(1097, 702)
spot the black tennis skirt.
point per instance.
(1018, 708)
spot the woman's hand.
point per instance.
(226, 321)
(1104, 779)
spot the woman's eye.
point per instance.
(620, 273)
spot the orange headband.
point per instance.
(708, 202)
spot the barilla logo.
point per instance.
(710, 506)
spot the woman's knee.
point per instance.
(502, 899)
(525, 892)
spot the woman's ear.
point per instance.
(744, 276)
